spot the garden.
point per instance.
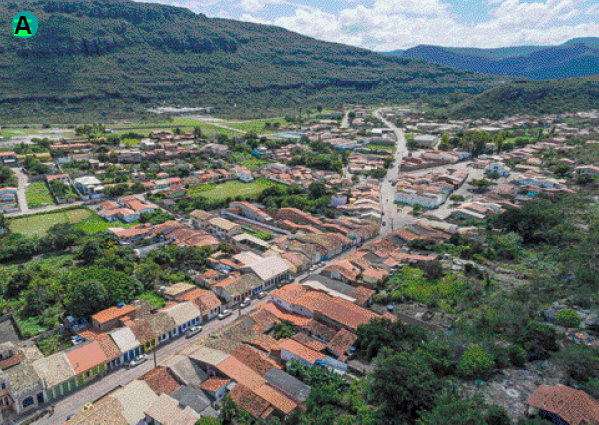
(38, 195)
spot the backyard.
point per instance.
(234, 188)
(38, 195)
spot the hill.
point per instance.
(575, 58)
(115, 58)
(534, 97)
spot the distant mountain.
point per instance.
(533, 97)
(114, 58)
(576, 58)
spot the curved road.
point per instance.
(390, 217)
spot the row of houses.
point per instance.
(430, 190)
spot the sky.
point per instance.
(384, 25)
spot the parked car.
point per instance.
(313, 268)
(194, 330)
(223, 314)
(138, 360)
(262, 295)
(245, 303)
(71, 416)
(87, 406)
(76, 340)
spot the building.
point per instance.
(427, 140)
(111, 317)
(89, 186)
(184, 315)
(250, 211)
(235, 289)
(563, 406)
(591, 170)
(222, 228)
(88, 361)
(57, 373)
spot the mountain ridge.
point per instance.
(116, 57)
(578, 57)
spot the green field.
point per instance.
(257, 126)
(39, 224)
(38, 195)
(248, 160)
(234, 188)
(185, 124)
(96, 224)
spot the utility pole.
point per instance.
(155, 348)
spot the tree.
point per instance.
(562, 170)
(380, 333)
(481, 184)
(197, 132)
(148, 273)
(452, 410)
(412, 144)
(584, 179)
(567, 318)
(319, 108)
(86, 298)
(474, 363)
(207, 420)
(90, 252)
(580, 362)
(498, 140)
(284, 329)
(405, 383)
(351, 116)
(517, 355)
(433, 270)
(317, 190)
(228, 410)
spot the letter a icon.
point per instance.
(23, 25)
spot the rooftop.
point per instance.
(86, 357)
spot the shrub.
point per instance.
(567, 318)
(474, 363)
(517, 355)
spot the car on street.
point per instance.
(138, 360)
(313, 268)
(71, 416)
(245, 303)
(194, 330)
(224, 314)
(262, 295)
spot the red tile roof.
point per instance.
(249, 401)
(214, 384)
(574, 407)
(342, 341)
(111, 351)
(86, 357)
(161, 380)
(254, 359)
(300, 350)
(112, 313)
(309, 342)
(236, 370)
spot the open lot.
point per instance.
(39, 224)
(38, 195)
(248, 160)
(234, 188)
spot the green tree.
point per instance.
(317, 190)
(89, 252)
(405, 384)
(579, 361)
(207, 420)
(148, 273)
(228, 410)
(86, 298)
(567, 318)
(197, 132)
(284, 329)
(474, 363)
(481, 184)
(452, 410)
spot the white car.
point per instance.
(313, 268)
(223, 314)
(194, 330)
(138, 360)
(262, 295)
(76, 340)
(245, 303)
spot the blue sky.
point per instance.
(399, 24)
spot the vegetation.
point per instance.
(39, 224)
(233, 189)
(38, 195)
(8, 178)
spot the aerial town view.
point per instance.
(269, 212)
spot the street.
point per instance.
(391, 219)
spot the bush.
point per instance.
(567, 318)
(474, 363)
(517, 355)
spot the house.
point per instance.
(8, 159)
(235, 289)
(497, 168)
(57, 373)
(111, 317)
(244, 174)
(250, 211)
(215, 387)
(167, 411)
(177, 290)
(25, 387)
(591, 170)
(206, 301)
(291, 349)
(89, 186)
(184, 315)
(222, 228)
(161, 325)
(563, 405)
(427, 140)
(88, 361)
(199, 218)
(143, 333)
(161, 380)
(126, 342)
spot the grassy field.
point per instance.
(39, 224)
(96, 224)
(235, 188)
(195, 191)
(257, 126)
(248, 160)
(185, 124)
(383, 147)
(53, 262)
(38, 195)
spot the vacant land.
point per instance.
(96, 224)
(258, 126)
(39, 224)
(38, 195)
(248, 160)
(234, 188)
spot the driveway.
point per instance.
(23, 183)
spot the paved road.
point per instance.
(345, 121)
(23, 183)
(122, 376)
(391, 219)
